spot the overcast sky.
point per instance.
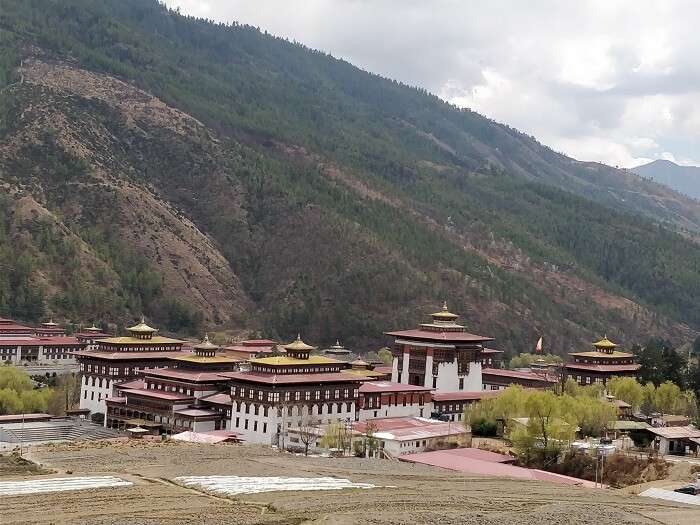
(611, 80)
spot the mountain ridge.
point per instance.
(683, 179)
(335, 238)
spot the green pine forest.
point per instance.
(344, 204)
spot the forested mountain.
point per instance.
(213, 175)
(684, 179)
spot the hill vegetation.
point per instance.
(212, 174)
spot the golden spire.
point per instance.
(444, 314)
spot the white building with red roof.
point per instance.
(440, 354)
(296, 389)
(388, 399)
(118, 359)
(398, 436)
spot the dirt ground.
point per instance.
(409, 493)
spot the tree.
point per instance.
(592, 415)
(308, 430)
(666, 397)
(524, 360)
(66, 394)
(649, 398)
(546, 433)
(35, 400)
(15, 379)
(10, 402)
(336, 437)
(627, 389)
(385, 356)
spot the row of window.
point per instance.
(169, 388)
(256, 409)
(274, 397)
(96, 381)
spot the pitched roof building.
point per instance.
(601, 364)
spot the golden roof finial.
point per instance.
(143, 319)
(444, 306)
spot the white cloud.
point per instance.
(599, 80)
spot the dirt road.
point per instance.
(409, 494)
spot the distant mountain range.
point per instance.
(215, 177)
(685, 179)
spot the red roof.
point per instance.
(11, 326)
(383, 369)
(449, 460)
(258, 342)
(17, 418)
(92, 335)
(450, 337)
(159, 394)
(130, 356)
(515, 374)
(186, 375)
(389, 386)
(287, 379)
(135, 384)
(41, 341)
(472, 453)
(218, 399)
(464, 396)
(198, 412)
(409, 428)
(604, 368)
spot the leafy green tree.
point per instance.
(525, 360)
(385, 356)
(628, 390)
(10, 402)
(15, 379)
(666, 397)
(547, 432)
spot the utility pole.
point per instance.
(21, 435)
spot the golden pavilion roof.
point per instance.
(206, 344)
(49, 323)
(142, 328)
(299, 345)
(444, 314)
(286, 360)
(605, 343)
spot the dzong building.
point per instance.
(440, 355)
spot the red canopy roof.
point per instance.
(449, 337)
(464, 396)
(604, 368)
(389, 386)
(515, 374)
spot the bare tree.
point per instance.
(308, 430)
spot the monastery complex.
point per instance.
(263, 392)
